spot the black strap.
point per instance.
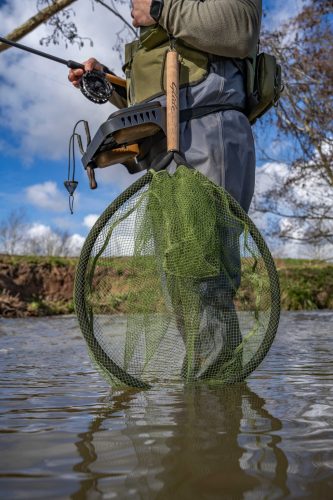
(174, 155)
(192, 113)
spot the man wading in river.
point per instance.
(213, 39)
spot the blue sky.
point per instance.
(38, 108)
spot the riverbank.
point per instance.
(40, 286)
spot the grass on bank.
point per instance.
(305, 284)
(37, 260)
(46, 308)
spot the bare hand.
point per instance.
(75, 75)
(141, 13)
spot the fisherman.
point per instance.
(214, 39)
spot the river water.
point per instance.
(64, 434)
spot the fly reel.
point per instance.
(94, 84)
(96, 87)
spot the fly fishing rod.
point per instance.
(96, 85)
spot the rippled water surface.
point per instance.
(65, 435)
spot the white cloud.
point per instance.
(75, 243)
(47, 196)
(37, 230)
(89, 220)
(43, 240)
(122, 241)
(312, 190)
(117, 175)
(269, 175)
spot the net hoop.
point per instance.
(85, 318)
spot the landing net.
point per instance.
(175, 282)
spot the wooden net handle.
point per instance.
(172, 100)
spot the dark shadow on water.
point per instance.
(193, 442)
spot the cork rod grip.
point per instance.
(116, 80)
(172, 100)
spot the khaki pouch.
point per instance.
(266, 84)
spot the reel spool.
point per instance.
(95, 87)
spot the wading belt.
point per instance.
(200, 111)
(184, 116)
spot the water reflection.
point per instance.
(198, 442)
(64, 436)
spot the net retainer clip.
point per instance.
(171, 155)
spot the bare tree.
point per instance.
(57, 15)
(49, 242)
(125, 31)
(13, 232)
(52, 8)
(18, 237)
(304, 123)
(304, 46)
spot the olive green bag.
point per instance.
(264, 85)
(145, 58)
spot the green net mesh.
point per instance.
(175, 282)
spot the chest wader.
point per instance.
(118, 139)
(162, 253)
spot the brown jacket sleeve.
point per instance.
(227, 28)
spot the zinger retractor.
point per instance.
(96, 87)
(70, 183)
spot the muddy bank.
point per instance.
(38, 286)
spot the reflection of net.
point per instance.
(193, 276)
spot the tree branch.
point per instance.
(41, 17)
(117, 14)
